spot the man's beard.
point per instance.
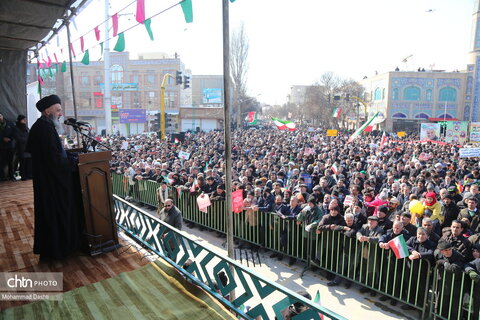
(56, 123)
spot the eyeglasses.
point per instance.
(168, 206)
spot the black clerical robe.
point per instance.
(58, 213)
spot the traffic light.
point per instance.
(336, 98)
(178, 77)
(186, 82)
(347, 97)
(155, 124)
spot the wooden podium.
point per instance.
(96, 189)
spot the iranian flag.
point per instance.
(334, 168)
(337, 112)
(284, 124)
(176, 141)
(399, 247)
(362, 128)
(384, 139)
(251, 118)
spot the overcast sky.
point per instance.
(294, 42)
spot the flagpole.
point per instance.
(226, 123)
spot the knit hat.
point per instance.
(47, 102)
(20, 117)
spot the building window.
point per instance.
(98, 78)
(411, 93)
(448, 94)
(399, 115)
(117, 73)
(395, 93)
(84, 79)
(421, 116)
(150, 77)
(429, 95)
(135, 77)
(378, 94)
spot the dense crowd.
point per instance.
(371, 191)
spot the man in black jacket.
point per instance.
(7, 148)
(20, 135)
(450, 210)
(455, 237)
(448, 293)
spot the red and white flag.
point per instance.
(384, 140)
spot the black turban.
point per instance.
(47, 102)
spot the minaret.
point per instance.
(473, 79)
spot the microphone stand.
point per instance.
(93, 142)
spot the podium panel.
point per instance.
(96, 186)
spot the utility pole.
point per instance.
(228, 147)
(107, 104)
(162, 105)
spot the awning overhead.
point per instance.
(24, 23)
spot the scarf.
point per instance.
(432, 195)
(163, 195)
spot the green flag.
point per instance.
(86, 58)
(120, 46)
(101, 48)
(50, 72)
(64, 66)
(187, 10)
(149, 28)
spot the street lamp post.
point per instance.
(162, 105)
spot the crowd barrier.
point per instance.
(433, 292)
(254, 296)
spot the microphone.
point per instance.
(74, 123)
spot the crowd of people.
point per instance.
(374, 192)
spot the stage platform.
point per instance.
(85, 276)
(16, 246)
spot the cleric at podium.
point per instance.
(58, 213)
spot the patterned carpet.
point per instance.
(16, 246)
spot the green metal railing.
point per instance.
(408, 281)
(265, 299)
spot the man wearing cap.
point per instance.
(58, 215)
(369, 233)
(448, 286)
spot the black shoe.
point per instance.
(202, 229)
(407, 307)
(383, 298)
(274, 255)
(291, 261)
(373, 293)
(280, 257)
(393, 302)
(364, 290)
(332, 283)
(348, 285)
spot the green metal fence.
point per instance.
(407, 281)
(265, 299)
